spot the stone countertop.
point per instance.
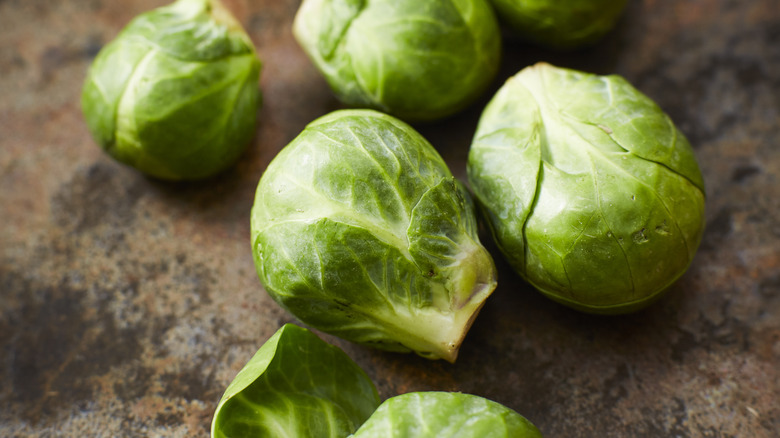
(128, 304)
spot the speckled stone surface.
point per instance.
(127, 304)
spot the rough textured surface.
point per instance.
(128, 304)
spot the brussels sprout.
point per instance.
(296, 385)
(445, 414)
(360, 230)
(560, 24)
(175, 95)
(415, 59)
(592, 193)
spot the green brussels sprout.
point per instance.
(296, 385)
(560, 24)
(360, 230)
(591, 192)
(445, 414)
(415, 59)
(175, 95)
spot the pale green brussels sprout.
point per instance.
(414, 59)
(592, 193)
(296, 385)
(445, 415)
(560, 24)
(360, 230)
(175, 95)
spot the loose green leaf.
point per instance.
(592, 193)
(443, 415)
(360, 230)
(296, 385)
(175, 95)
(415, 59)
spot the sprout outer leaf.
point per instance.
(296, 385)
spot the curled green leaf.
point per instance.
(296, 385)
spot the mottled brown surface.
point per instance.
(128, 304)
